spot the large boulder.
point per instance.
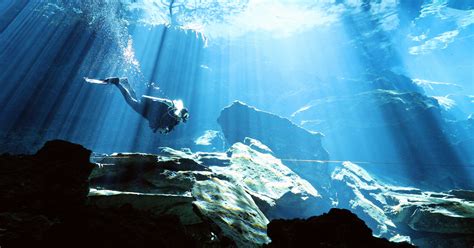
(54, 179)
(337, 228)
(277, 190)
(283, 137)
(355, 189)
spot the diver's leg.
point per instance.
(127, 92)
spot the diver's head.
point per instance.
(184, 114)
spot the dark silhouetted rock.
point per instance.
(94, 227)
(22, 229)
(54, 179)
(287, 140)
(119, 227)
(338, 228)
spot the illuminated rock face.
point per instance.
(399, 213)
(238, 191)
(283, 137)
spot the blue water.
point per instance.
(279, 56)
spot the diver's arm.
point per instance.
(162, 100)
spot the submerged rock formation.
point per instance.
(54, 179)
(405, 213)
(283, 137)
(404, 129)
(187, 190)
(276, 189)
(203, 199)
(238, 191)
(337, 228)
(177, 198)
(44, 204)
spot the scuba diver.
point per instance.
(162, 114)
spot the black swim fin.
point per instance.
(95, 81)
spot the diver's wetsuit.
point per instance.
(161, 113)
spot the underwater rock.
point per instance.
(238, 191)
(464, 194)
(210, 141)
(257, 145)
(399, 213)
(277, 190)
(93, 227)
(210, 199)
(461, 5)
(52, 180)
(356, 190)
(299, 94)
(404, 132)
(436, 220)
(45, 203)
(155, 204)
(438, 88)
(195, 196)
(21, 228)
(263, 183)
(456, 106)
(239, 121)
(352, 110)
(424, 218)
(337, 228)
(462, 136)
(383, 80)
